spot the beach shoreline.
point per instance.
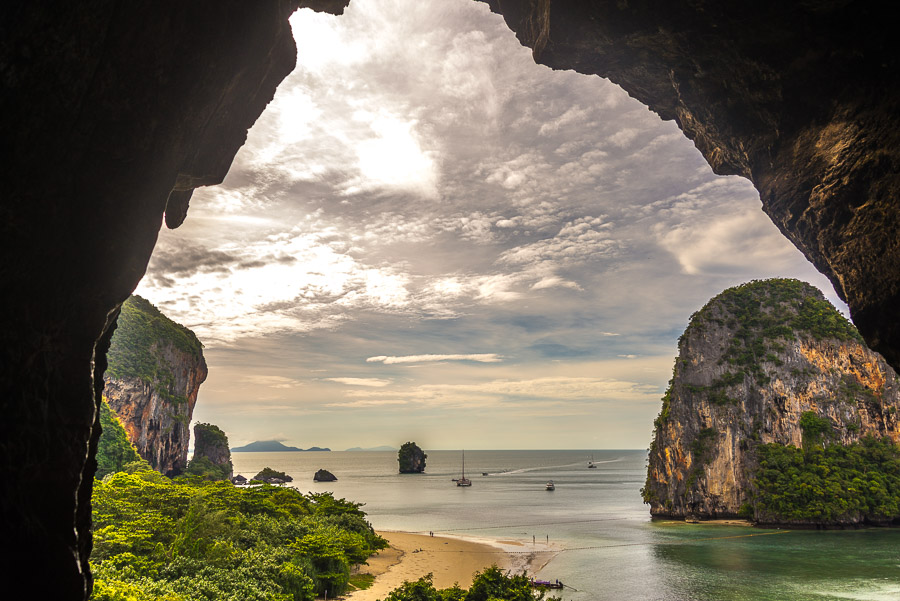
(451, 559)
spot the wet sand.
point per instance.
(451, 560)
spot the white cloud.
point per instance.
(481, 358)
(707, 238)
(577, 241)
(393, 158)
(370, 382)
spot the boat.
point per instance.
(546, 584)
(550, 485)
(462, 480)
(591, 463)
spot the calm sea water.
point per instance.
(610, 549)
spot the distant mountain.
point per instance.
(269, 446)
(381, 448)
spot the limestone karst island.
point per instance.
(776, 412)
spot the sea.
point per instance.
(593, 532)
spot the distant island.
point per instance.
(269, 446)
(381, 448)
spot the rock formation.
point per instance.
(155, 370)
(271, 476)
(324, 476)
(411, 458)
(110, 115)
(751, 363)
(113, 112)
(211, 449)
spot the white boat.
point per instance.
(550, 485)
(462, 480)
(591, 463)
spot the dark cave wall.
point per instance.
(799, 97)
(108, 111)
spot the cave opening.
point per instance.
(425, 226)
(124, 142)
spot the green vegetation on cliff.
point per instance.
(763, 314)
(831, 484)
(135, 349)
(411, 458)
(757, 363)
(157, 539)
(268, 473)
(210, 441)
(114, 450)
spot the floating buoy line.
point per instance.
(589, 547)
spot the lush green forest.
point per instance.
(829, 482)
(186, 539)
(114, 450)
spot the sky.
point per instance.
(428, 237)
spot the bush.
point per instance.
(838, 483)
(161, 539)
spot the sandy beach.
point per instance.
(451, 560)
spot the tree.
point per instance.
(114, 450)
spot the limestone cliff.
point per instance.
(155, 370)
(751, 362)
(411, 458)
(211, 459)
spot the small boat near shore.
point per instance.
(547, 584)
(462, 480)
(550, 485)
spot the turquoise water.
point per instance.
(609, 547)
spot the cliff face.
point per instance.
(750, 364)
(156, 368)
(411, 458)
(211, 445)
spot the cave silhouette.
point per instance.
(114, 112)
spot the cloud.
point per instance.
(543, 391)
(270, 381)
(370, 382)
(392, 158)
(380, 403)
(480, 358)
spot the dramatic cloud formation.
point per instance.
(426, 233)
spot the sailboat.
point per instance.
(591, 463)
(463, 481)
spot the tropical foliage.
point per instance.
(762, 314)
(114, 450)
(158, 539)
(831, 483)
(489, 585)
(209, 439)
(137, 346)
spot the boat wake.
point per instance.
(548, 467)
